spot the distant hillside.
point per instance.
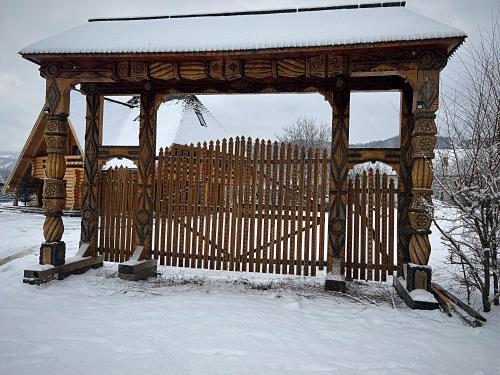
(7, 162)
(393, 142)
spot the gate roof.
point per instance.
(334, 26)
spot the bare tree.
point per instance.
(306, 132)
(468, 175)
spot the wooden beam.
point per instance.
(110, 152)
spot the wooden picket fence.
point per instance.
(117, 195)
(241, 205)
(251, 206)
(370, 234)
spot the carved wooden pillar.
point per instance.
(52, 251)
(425, 104)
(146, 173)
(405, 183)
(93, 139)
(339, 100)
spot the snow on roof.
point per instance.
(177, 123)
(316, 28)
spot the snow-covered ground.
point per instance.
(195, 321)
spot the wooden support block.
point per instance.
(76, 265)
(135, 269)
(413, 303)
(140, 274)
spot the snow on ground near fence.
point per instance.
(199, 321)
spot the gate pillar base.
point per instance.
(136, 269)
(53, 253)
(415, 287)
(335, 280)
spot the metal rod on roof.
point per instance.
(258, 12)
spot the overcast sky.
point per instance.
(373, 116)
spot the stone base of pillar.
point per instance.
(53, 253)
(335, 281)
(415, 287)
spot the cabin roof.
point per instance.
(243, 31)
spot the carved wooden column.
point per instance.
(405, 183)
(93, 139)
(52, 251)
(339, 100)
(425, 104)
(146, 173)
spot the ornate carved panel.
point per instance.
(91, 171)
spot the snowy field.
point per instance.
(193, 322)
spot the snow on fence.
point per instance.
(255, 206)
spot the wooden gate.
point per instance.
(371, 232)
(117, 195)
(251, 206)
(238, 205)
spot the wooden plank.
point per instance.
(112, 232)
(220, 201)
(107, 212)
(176, 201)
(130, 214)
(265, 212)
(377, 255)
(196, 205)
(300, 209)
(181, 203)
(175, 206)
(170, 204)
(234, 147)
(349, 257)
(315, 207)
(356, 248)
(323, 190)
(253, 205)
(162, 219)
(260, 207)
(158, 191)
(227, 203)
(279, 204)
(273, 266)
(215, 204)
(123, 211)
(203, 206)
(293, 209)
(384, 218)
(237, 204)
(102, 211)
(308, 180)
(248, 215)
(286, 205)
(209, 203)
(364, 192)
(189, 207)
(370, 225)
(240, 205)
(391, 207)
